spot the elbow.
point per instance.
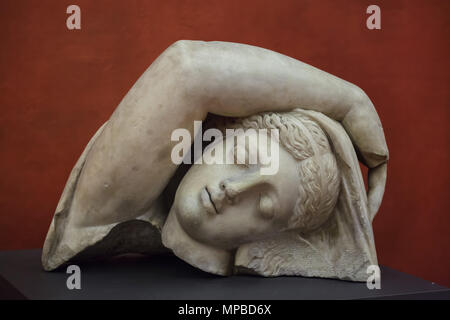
(178, 51)
(180, 56)
(189, 67)
(182, 68)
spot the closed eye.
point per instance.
(240, 156)
(245, 157)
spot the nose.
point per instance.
(235, 186)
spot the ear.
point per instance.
(343, 247)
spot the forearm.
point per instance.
(238, 80)
(377, 182)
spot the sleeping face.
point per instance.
(226, 205)
(219, 209)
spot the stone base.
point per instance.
(167, 277)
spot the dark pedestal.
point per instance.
(167, 277)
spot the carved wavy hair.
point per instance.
(319, 181)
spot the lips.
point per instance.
(207, 201)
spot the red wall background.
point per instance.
(58, 86)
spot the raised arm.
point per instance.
(188, 80)
(237, 80)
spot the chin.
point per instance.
(189, 213)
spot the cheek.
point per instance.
(238, 224)
(188, 213)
